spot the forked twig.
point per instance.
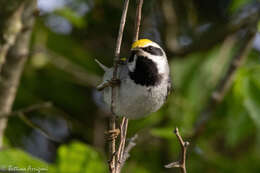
(182, 162)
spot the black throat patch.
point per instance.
(145, 73)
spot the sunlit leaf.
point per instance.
(15, 159)
(80, 158)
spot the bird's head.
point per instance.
(149, 50)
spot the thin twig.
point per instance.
(12, 27)
(28, 109)
(121, 149)
(128, 148)
(79, 74)
(112, 121)
(14, 64)
(117, 53)
(224, 84)
(182, 162)
(35, 126)
(121, 138)
(118, 157)
(21, 114)
(138, 19)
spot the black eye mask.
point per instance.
(153, 50)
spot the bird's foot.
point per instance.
(112, 134)
(109, 83)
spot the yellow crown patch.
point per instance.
(141, 43)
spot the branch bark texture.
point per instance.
(13, 66)
(112, 121)
(10, 29)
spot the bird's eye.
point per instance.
(150, 48)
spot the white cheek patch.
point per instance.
(161, 66)
(131, 65)
(161, 63)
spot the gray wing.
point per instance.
(123, 71)
(169, 87)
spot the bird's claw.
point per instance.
(112, 134)
(111, 83)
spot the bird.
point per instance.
(145, 81)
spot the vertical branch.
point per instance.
(118, 156)
(117, 52)
(138, 19)
(13, 67)
(112, 120)
(121, 156)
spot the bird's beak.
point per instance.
(136, 50)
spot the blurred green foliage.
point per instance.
(230, 142)
(73, 157)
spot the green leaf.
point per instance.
(79, 158)
(74, 18)
(252, 102)
(254, 110)
(238, 4)
(15, 160)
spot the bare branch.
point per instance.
(117, 52)
(118, 157)
(138, 19)
(121, 148)
(28, 109)
(21, 114)
(128, 148)
(182, 162)
(13, 67)
(33, 125)
(112, 121)
(80, 75)
(12, 28)
(122, 154)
